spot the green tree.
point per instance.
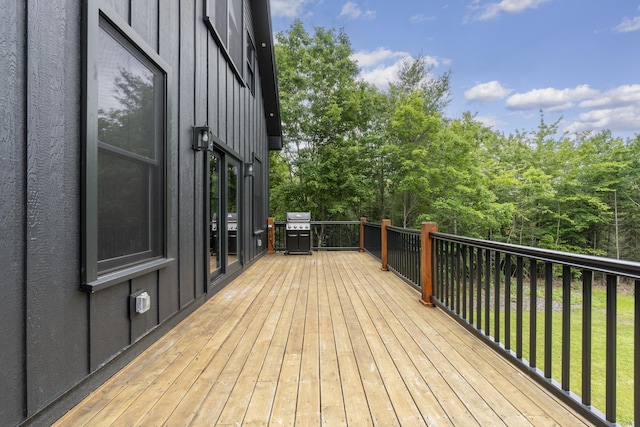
(323, 120)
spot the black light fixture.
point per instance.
(202, 138)
(248, 169)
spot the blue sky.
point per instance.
(578, 60)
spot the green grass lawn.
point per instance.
(625, 336)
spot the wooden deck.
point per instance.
(327, 339)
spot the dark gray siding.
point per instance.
(169, 48)
(58, 343)
(186, 157)
(56, 317)
(12, 241)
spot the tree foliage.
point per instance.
(352, 150)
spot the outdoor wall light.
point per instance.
(202, 138)
(248, 169)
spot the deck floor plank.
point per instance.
(432, 393)
(331, 399)
(327, 339)
(352, 389)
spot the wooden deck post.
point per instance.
(383, 242)
(427, 262)
(271, 235)
(362, 221)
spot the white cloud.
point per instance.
(493, 10)
(550, 99)
(622, 119)
(617, 97)
(628, 25)
(287, 8)
(352, 11)
(416, 19)
(487, 92)
(381, 66)
(370, 14)
(490, 121)
(617, 109)
(381, 76)
(370, 58)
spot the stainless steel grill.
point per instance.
(298, 232)
(232, 233)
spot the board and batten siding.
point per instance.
(59, 343)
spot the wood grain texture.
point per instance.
(169, 47)
(144, 20)
(186, 157)
(12, 213)
(57, 323)
(327, 339)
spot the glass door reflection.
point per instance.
(215, 262)
(233, 219)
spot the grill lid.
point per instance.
(298, 216)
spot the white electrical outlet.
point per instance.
(143, 302)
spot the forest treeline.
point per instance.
(352, 150)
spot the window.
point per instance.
(124, 176)
(227, 26)
(250, 76)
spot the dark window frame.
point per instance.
(98, 274)
(250, 77)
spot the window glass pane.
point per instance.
(233, 218)
(235, 45)
(221, 19)
(130, 211)
(214, 208)
(123, 206)
(250, 77)
(126, 106)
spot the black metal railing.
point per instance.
(403, 252)
(373, 239)
(325, 235)
(524, 301)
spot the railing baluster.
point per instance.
(464, 282)
(611, 347)
(479, 293)
(487, 293)
(471, 273)
(587, 283)
(455, 289)
(507, 302)
(443, 269)
(439, 270)
(496, 297)
(447, 273)
(458, 278)
(533, 312)
(519, 286)
(452, 289)
(566, 327)
(548, 317)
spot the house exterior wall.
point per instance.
(59, 342)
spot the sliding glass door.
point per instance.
(223, 214)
